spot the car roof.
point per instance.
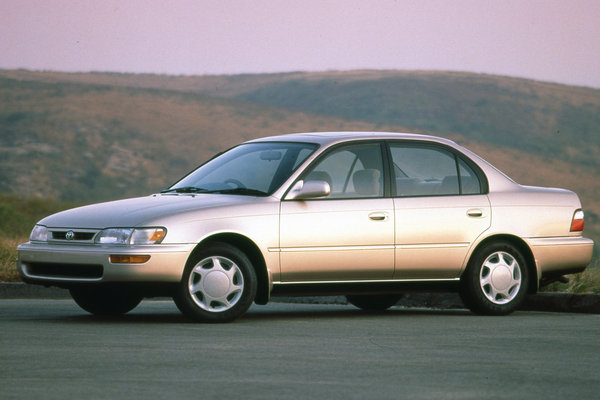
(497, 180)
(326, 138)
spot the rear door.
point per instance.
(440, 210)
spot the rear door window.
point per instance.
(422, 170)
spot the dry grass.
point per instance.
(586, 282)
(8, 259)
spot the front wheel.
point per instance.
(105, 300)
(496, 280)
(218, 284)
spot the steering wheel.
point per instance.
(232, 181)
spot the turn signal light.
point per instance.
(125, 259)
(577, 223)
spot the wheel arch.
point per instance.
(248, 247)
(522, 246)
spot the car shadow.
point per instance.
(348, 312)
(163, 311)
(289, 312)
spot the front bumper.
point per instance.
(64, 264)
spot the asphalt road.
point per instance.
(51, 349)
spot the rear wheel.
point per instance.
(496, 280)
(105, 300)
(218, 284)
(377, 302)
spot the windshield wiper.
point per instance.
(238, 190)
(241, 191)
(186, 189)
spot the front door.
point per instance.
(348, 235)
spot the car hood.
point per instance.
(142, 211)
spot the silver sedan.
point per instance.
(369, 215)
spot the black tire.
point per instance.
(105, 300)
(496, 280)
(376, 302)
(218, 284)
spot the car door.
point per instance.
(440, 209)
(347, 235)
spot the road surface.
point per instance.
(51, 349)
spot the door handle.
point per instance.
(378, 216)
(475, 212)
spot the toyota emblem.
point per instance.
(70, 235)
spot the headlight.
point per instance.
(114, 236)
(148, 235)
(39, 234)
(125, 236)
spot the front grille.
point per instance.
(77, 235)
(75, 271)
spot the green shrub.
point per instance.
(587, 281)
(8, 259)
(19, 215)
(17, 218)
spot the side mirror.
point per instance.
(309, 190)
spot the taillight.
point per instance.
(577, 222)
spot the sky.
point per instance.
(547, 40)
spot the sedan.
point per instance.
(368, 215)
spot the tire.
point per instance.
(218, 284)
(379, 302)
(105, 300)
(496, 280)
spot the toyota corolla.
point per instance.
(368, 215)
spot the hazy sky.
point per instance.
(546, 40)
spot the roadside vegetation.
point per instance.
(586, 282)
(8, 258)
(17, 218)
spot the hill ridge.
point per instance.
(98, 136)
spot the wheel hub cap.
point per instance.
(216, 284)
(500, 277)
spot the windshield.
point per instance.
(255, 169)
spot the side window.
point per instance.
(352, 172)
(469, 183)
(430, 171)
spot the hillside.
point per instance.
(552, 120)
(556, 120)
(99, 136)
(85, 142)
